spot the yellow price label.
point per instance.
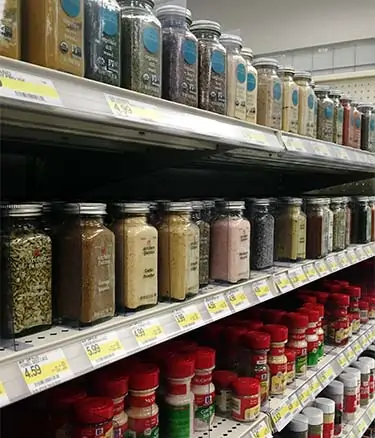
(363, 342)
(372, 411)
(238, 298)
(357, 348)
(4, 400)
(350, 354)
(361, 253)
(283, 283)
(315, 385)
(255, 137)
(304, 395)
(343, 154)
(281, 417)
(129, 109)
(217, 306)
(368, 250)
(343, 260)
(261, 431)
(148, 332)
(294, 144)
(362, 426)
(327, 375)
(343, 361)
(103, 348)
(332, 263)
(352, 256)
(311, 273)
(321, 149)
(262, 290)
(188, 317)
(321, 267)
(294, 404)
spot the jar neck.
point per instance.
(136, 4)
(267, 70)
(207, 35)
(137, 217)
(315, 208)
(302, 82)
(259, 209)
(180, 216)
(86, 219)
(233, 48)
(286, 77)
(23, 222)
(174, 21)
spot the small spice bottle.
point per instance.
(199, 216)
(328, 407)
(335, 392)
(371, 363)
(338, 116)
(361, 220)
(371, 307)
(315, 419)
(212, 59)
(290, 99)
(367, 131)
(319, 326)
(347, 133)
(291, 365)
(277, 360)
(251, 86)
(325, 114)
(245, 399)
(316, 228)
(339, 224)
(350, 396)
(312, 338)
(298, 427)
(363, 311)
(297, 324)
(365, 370)
(338, 321)
(356, 126)
(357, 373)
(93, 417)
(223, 389)
(306, 104)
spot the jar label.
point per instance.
(204, 411)
(371, 384)
(223, 400)
(301, 361)
(119, 431)
(218, 62)
(192, 278)
(143, 427)
(189, 49)
(238, 100)
(315, 431)
(301, 248)
(178, 420)
(312, 353)
(293, 125)
(312, 110)
(350, 403)
(278, 378)
(245, 408)
(102, 431)
(251, 98)
(328, 425)
(339, 125)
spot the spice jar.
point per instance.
(371, 307)
(361, 220)
(319, 326)
(251, 85)
(178, 248)
(245, 399)
(363, 311)
(367, 127)
(327, 406)
(315, 419)
(348, 221)
(230, 243)
(223, 381)
(338, 116)
(325, 114)
(356, 125)
(277, 360)
(10, 20)
(371, 203)
(180, 55)
(371, 363)
(93, 417)
(329, 214)
(313, 86)
(136, 257)
(85, 288)
(350, 396)
(355, 295)
(290, 100)
(291, 365)
(199, 216)
(269, 104)
(212, 80)
(365, 370)
(26, 254)
(357, 373)
(312, 338)
(306, 103)
(262, 234)
(347, 133)
(337, 317)
(236, 76)
(339, 224)
(298, 427)
(297, 325)
(335, 391)
(317, 225)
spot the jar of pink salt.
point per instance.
(230, 243)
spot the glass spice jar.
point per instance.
(329, 214)
(290, 99)
(313, 86)
(325, 114)
(347, 133)
(180, 55)
(361, 220)
(367, 131)
(251, 86)
(356, 125)
(316, 229)
(364, 311)
(212, 56)
(371, 203)
(306, 103)
(269, 104)
(339, 222)
(348, 220)
(236, 76)
(338, 320)
(312, 338)
(201, 220)
(26, 255)
(338, 115)
(141, 47)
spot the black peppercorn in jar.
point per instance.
(180, 56)
(141, 47)
(200, 218)
(338, 116)
(26, 257)
(212, 60)
(367, 127)
(325, 114)
(361, 220)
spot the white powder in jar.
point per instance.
(290, 100)
(251, 86)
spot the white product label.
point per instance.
(224, 400)
(192, 286)
(238, 299)
(283, 283)
(148, 332)
(241, 85)
(262, 290)
(188, 317)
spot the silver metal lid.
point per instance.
(312, 201)
(286, 69)
(323, 89)
(365, 107)
(335, 93)
(360, 198)
(291, 201)
(246, 51)
(207, 204)
(231, 39)
(231, 205)
(266, 62)
(87, 208)
(205, 25)
(173, 10)
(299, 74)
(178, 206)
(197, 205)
(260, 201)
(132, 207)
(22, 210)
(337, 200)
(346, 97)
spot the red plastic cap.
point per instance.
(254, 325)
(272, 316)
(111, 383)
(256, 340)
(94, 410)
(353, 291)
(244, 386)
(318, 307)
(278, 333)
(335, 288)
(290, 354)
(370, 300)
(340, 299)
(322, 297)
(205, 358)
(306, 298)
(364, 304)
(233, 335)
(223, 379)
(145, 376)
(65, 395)
(312, 314)
(180, 366)
(295, 320)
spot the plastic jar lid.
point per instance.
(265, 62)
(306, 298)
(223, 379)
(290, 354)
(287, 69)
(300, 423)
(312, 314)
(340, 299)
(145, 376)
(295, 320)
(206, 25)
(325, 404)
(335, 388)
(318, 307)
(279, 333)
(246, 51)
(180, 366)
(94, 410)
(322, 297)
(353, 291)
(272, 316)
(255, 325)
(370, 300)
(363, 366)
(111, 383)
(173, 10)
(64, 396)
(233, 335)
(363, 304)
(369, 360)
(314, 415)
(246, 386)
(231, 39)
(354, 371)
(348, 379)
(205, 358)
(302, 75)
(256, 340)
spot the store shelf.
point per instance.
(64, 353)
(364, 417)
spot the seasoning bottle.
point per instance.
(10, 22)
(319, 326)
(350, 396)
(93, 417)
(315, 419)
(348, 220)
(363, 311)
(357, 373)
(355, 295)
(180, 55)
(327, 406)
(291, 365)
(236, 76)
(306, 101)
(312, 338)
(338, 116)
(365, 370)
(230, 243)
(339, 224)
(26, 254)
(297, 325)
(347, 133)
(317, 229)
(371, 308)
(298, 427)
(335, 391)
(366, 112)
(223, 381)
(371, 363)
(200, 218)
(143, 412)
(277, 360)
(251, 86)
(212, 79)
(269, 106)
(141, 47)
(361, 220)
(245, 399)
(290, 99)
(371, 203)
(337, 317)
(356, 126)
(329, 214)
(315, 119)
(325, 114)
(178, 247)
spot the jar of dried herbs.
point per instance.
(212, 76)
(201, 219)
(85, 259)
(290, 99)
(339, 224)
(338, 116)
(102, 41)
(141, 49)
(26, 257)
(325, 114)
(251, 86)
(306, 103)
(236, 76)
(315, 121)
(329, 215)
(180, 55)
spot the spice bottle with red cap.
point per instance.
(203, 389)
(297, 325)
(223, 389)
(363, 311)
(319, 326)
(245, 399)
(143, 412)
(354, 293)
(93, 418)
(254, 364)
(338, 320)
(350, 396)
(364, 368)
(291, 365)
(277, 360)
(371, 364)
(371, 308)
(312, 338)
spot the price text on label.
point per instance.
(103, 348)
(262, 290)
(188, 317)
(283, 283)
(217, 306)
(238, 298)
(148, 332)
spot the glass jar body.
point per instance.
(339, 227)
(347, 133)
(251, 91)
(325, 117)
(361, 222)
(356, 127)
(262, 237)
(306, 108)
(290, 103)
(338, 119)
(317, 231)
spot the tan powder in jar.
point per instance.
(290, 100)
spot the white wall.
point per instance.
(277, 25)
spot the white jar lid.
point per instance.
(314, 415)
(325, 404)
(355, 371)
(363, 366)
(369, 360)
(300, 423)
(349, 380)
(335, 388)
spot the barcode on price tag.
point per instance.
(283, 283)
(217, 306)
(281, 417)
(294, 144)
(188, 317)
(343, 260)
(45, 370)
(129, 109)
(361, 253)
(148, 332)
(297, 277)
(4, 400)
(294, 404)
(238, 299)
(352, 255)
(261, 430)
(103, 349)
(262, 290)
(311, 272)
(321, 268)
(350, 355)
(327, 375)
(332, 263)
(343, 361)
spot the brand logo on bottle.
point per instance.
(340, 115)
(151, 39)
(110, 21)
(241, 73)
(328, 112)
(358, 123)
(295, 97)
(251, 82)
(277, 91)
(71, 7)
(310, 101)
(218, 62)
(189, 50)
(372, 125)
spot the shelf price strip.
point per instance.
(262, 290)
(343, 260)
(217, 306)
(327, 375)
(350, 355)
(332, 264)
(281, 417)
(261, 430)
(352, 256)
(321, 267)
(294, 404)
(45, 370)
(148, 332)
(283, 283)
(188, 317)
(361, 253)
(103, 349)
(238, 299)
(368, 250)
(343, 361)
(4, 400)
(311, 272)
(297, 277)
(128, 109)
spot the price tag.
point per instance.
(304, 395)
(363, 342)
(321, 149)
(361, 253)
(368, 250)
(45, 370)
(255, 137)
(238, 299)
(315, 386)
(261, 430)
(283, 283)
(357, 348)
(311, 272)
(281, 417)
(350, 355)
(217, 306)
(372, 411)
(262, 290)
(28, 88)
(321, 267)
(129, 109)
(362, 427)
(294, 404)
(327, 375)
(342, 153)
(343, 260)
(332, 263)
(297, 277)
(342, 361)
(294, 144)
(352, 255)
(148, 332)
(4, 400)
(103, 348)
(188, 317)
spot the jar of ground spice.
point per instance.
(141, 47)
(200, 218)
(348, 219)
(251, 86)
(339, 224)
(297, 324)
(85, 259)
(306, 103)
(325, 114)
(93, 417)
(361, 220)
(290, 99)
(316, 229)
(347, 133)
(338, 320)
(291, 365)
(338, 116)
(212, 60)
(223, 381)
(356, 125)
(312, 337)
(180, 55)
